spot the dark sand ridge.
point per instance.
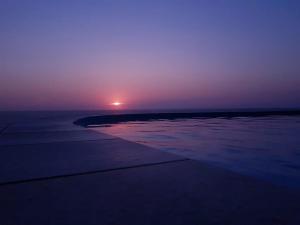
(120, 118)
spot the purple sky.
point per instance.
(149, 54)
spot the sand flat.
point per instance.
(33, 161)
(175, 193)
(24, 138)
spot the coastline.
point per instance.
(92, 178)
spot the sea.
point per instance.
(267, 148)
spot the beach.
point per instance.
(55, 172)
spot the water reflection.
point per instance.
(265, 147)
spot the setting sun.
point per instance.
(116, 103)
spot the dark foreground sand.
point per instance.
(53, 172)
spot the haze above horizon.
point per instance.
(133, 54)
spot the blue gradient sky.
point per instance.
(149, 54)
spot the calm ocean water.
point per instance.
(264, 147)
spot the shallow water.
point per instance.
(264, 147)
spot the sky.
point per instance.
(172, 54)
